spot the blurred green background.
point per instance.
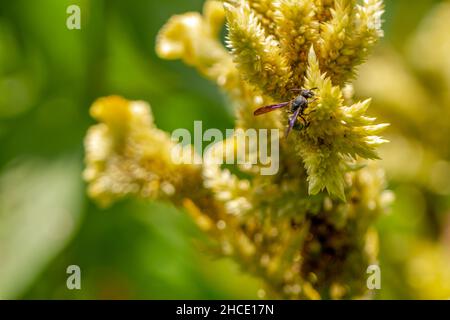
(49, 76)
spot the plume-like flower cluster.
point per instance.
(271, 53)
(272, 228)
(304, 243)
(410, 88)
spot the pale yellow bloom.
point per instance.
(280, 228)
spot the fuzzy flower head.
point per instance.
(127, 155)
(272, 51)
(336, 135)
(280, 228)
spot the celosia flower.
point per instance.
(281, 228)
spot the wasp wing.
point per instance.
(292, 121)
(270, 108)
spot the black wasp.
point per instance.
(298, 105)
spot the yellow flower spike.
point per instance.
(215, 16)
(270, 225)
(173, 41)
(297, 29)
(127, 155)
(348, 37)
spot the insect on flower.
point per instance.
(297, 107)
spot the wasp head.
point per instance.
(308, 93)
